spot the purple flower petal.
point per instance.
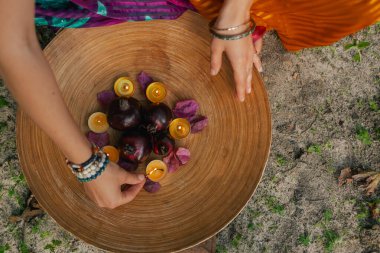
(151, 186)
(100, 140)
(144, 79)
(183, 155)
(128, 165)
(172, 162)
(106, 97)
(186, 109)
(198, 123)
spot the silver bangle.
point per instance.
(212, 27)
(244, 34)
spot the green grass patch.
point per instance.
(221, 249)
(281, 160)
(236, 240)
(274, 205)
(358, 46)
(330, 239)
(363, 135)
(4, 248)
(314, 148)
(44, 234)
(251, 226)
(19, 179)
(24, 248)
(36, 228)
(304, 239)
(3, 102)
(53, 245)
(327, 215)
(373, 106)
(11, 191)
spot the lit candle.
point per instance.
(112, 152)
(179, 128)
(156, 170)
(97, 122)
(156, 92)
(124, 87)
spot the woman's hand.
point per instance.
(242, 53)
(105, 190)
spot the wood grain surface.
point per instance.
(227, 159)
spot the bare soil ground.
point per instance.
(326, 116)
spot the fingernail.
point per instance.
(249, 90)
(261, 69)
(213, 72)
(241, 98)
(141, 177)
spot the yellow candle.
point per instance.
(97, 122)
(124, 87)
(113, 153)
(156, 92)
(156, 170)
(179, 128)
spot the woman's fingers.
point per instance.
(130, 178)
(240, 76)
(258, 44)
(216, 57)
(257, 62)
(249, 81)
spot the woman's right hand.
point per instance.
(105, 190)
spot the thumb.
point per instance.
(131, 178)
(128, 195)
(216, 59)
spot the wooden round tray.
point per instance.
(227, 158)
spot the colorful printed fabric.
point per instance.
(91, 13)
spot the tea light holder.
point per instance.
(179, 128)
(97, 122)
(156, 170)
(156, 92)
(112, 152)
(124, 87)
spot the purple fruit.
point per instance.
(158, 117)
(135, 146)
(163, 144)
(128, 165)
(124, 114)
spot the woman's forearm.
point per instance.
(234, 12)
(32, 83)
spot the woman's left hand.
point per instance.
(242, 53)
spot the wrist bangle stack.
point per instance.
(92, 168)
(251, 25)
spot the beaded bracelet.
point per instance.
(92, 168)
(79, 167)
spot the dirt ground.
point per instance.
(326, 116)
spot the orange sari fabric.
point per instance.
(305, 23)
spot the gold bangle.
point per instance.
(212, 27)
